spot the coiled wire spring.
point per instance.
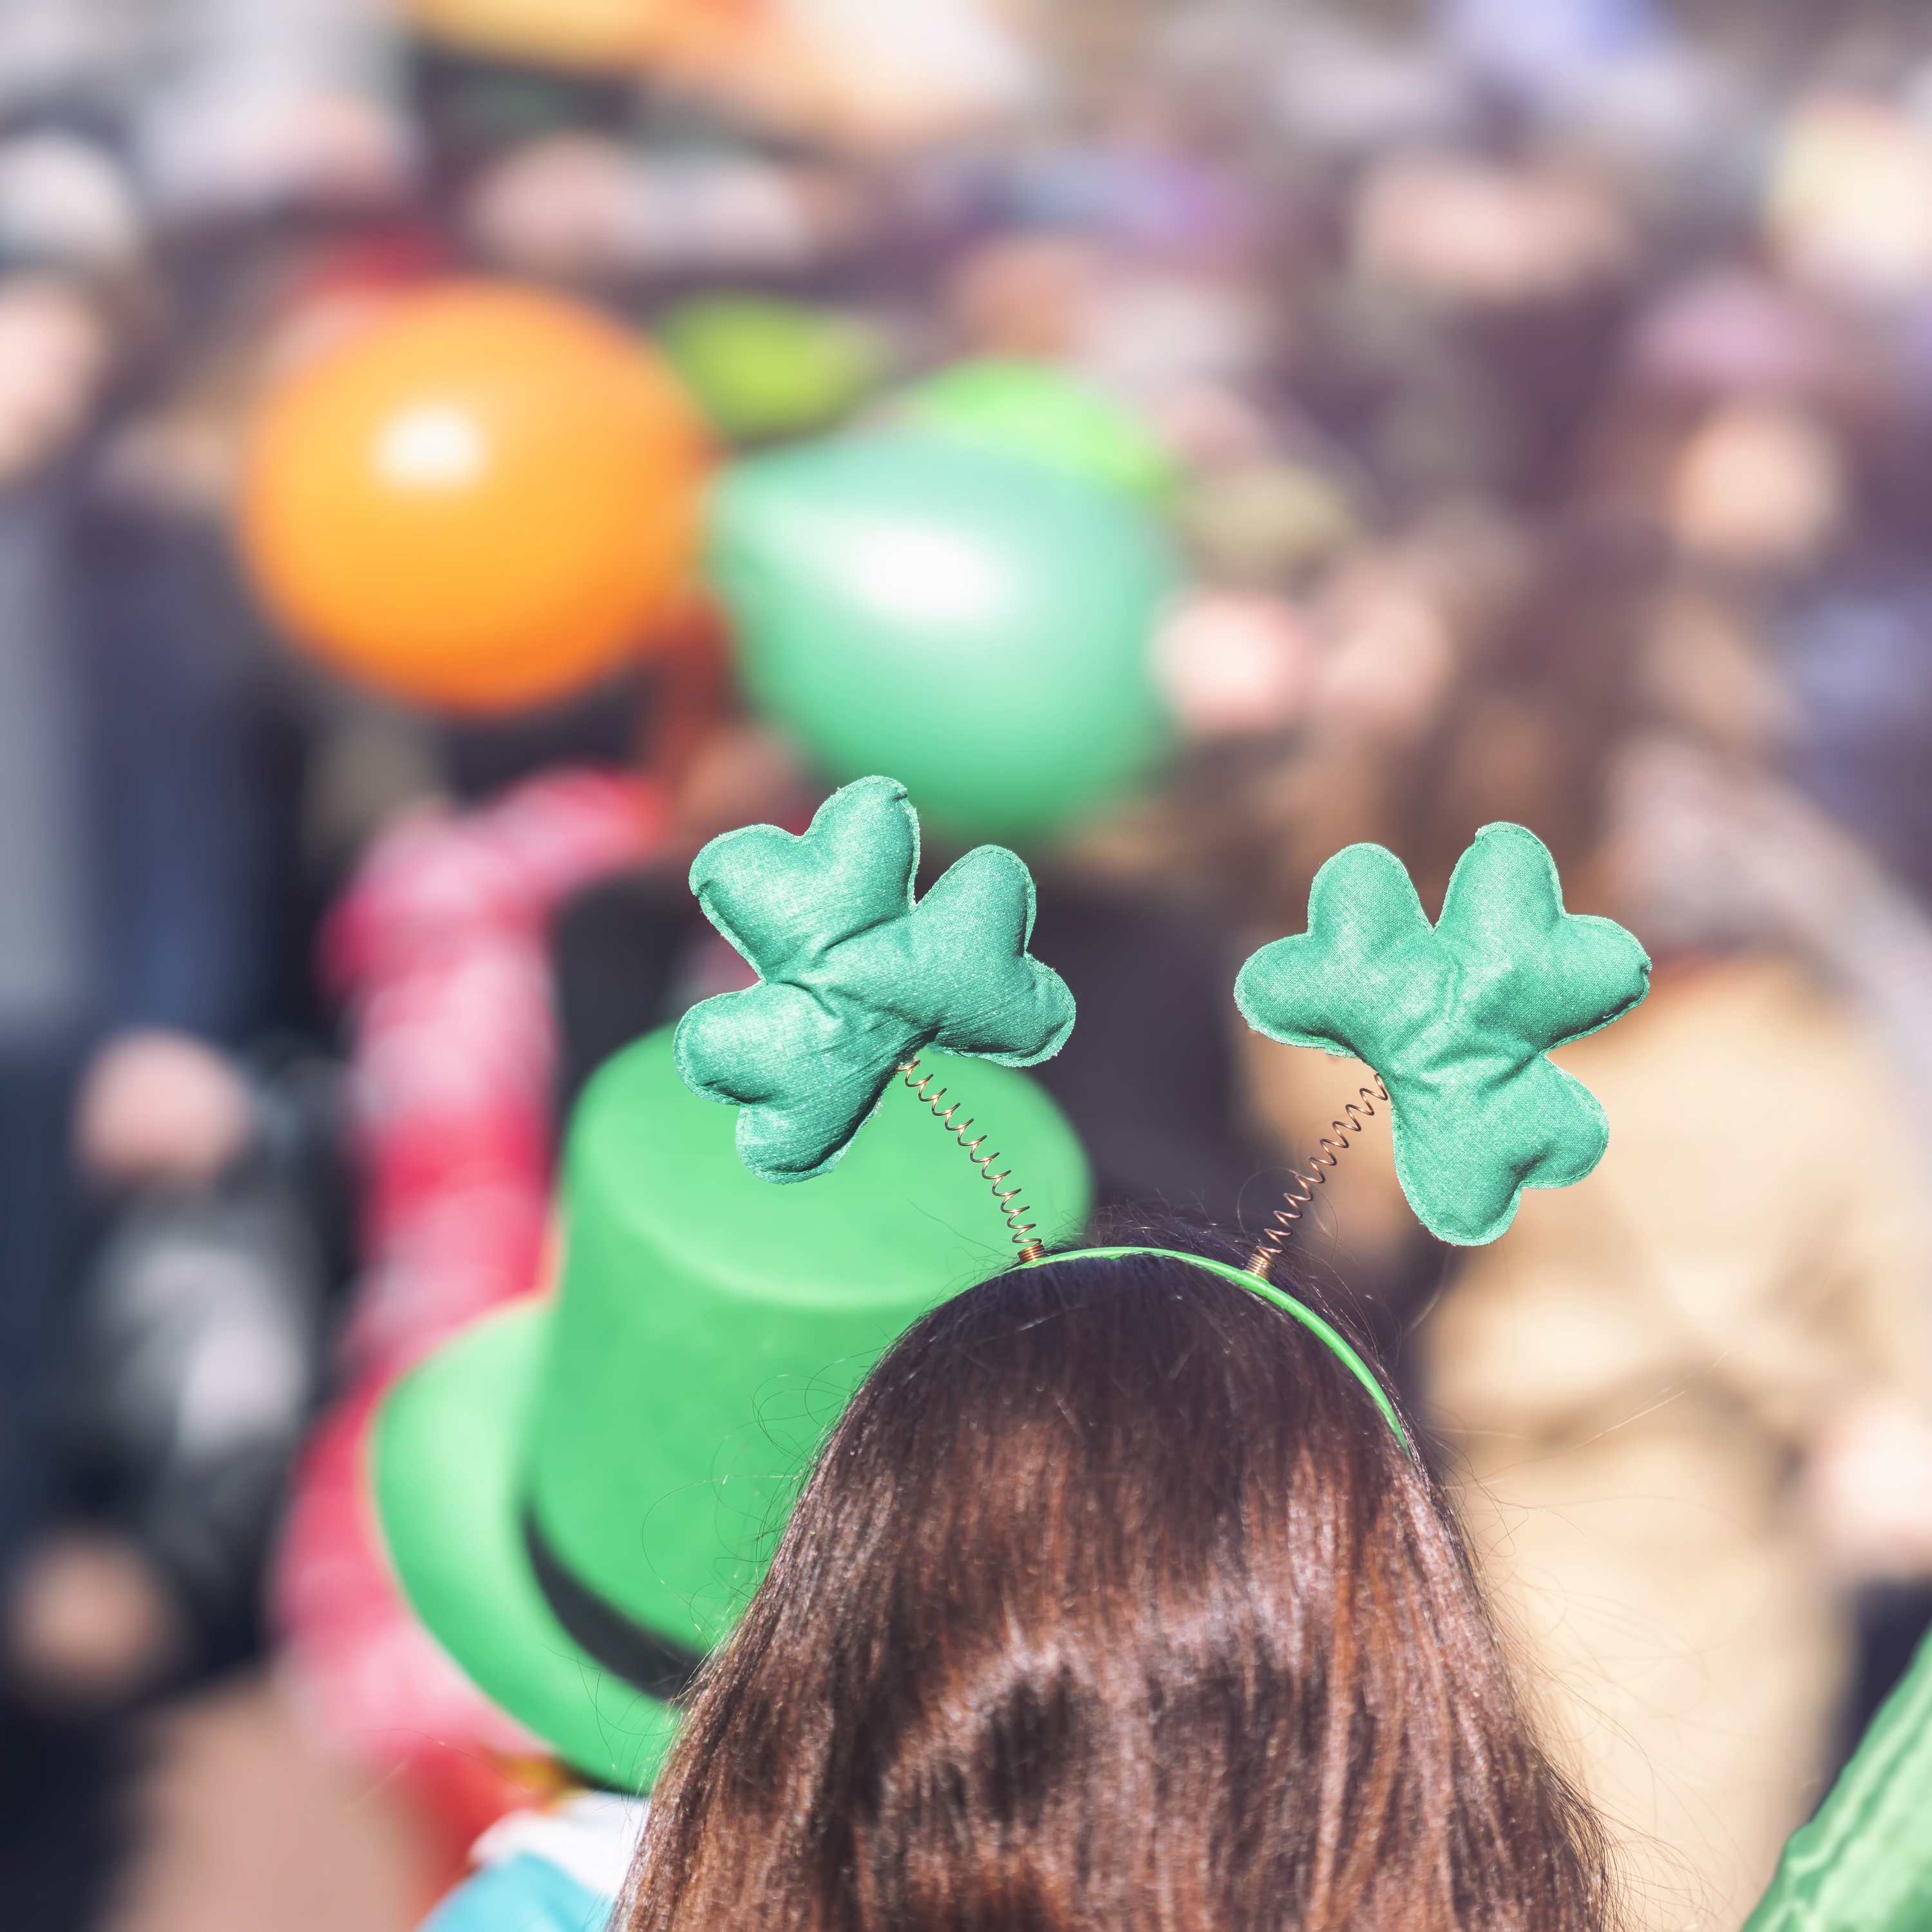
(1021, 1228)
(1302, 1185)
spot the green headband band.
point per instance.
(1325, 1332)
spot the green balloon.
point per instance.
(761, 369)
(1033, 409)
(972, 624)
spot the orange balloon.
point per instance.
(481, 503)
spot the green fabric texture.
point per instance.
(855, 979)
(1863, 1863)
(1457, 1018)
(654, 1416)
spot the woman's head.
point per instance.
(1114, 1601)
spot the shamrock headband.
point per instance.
(1456, 1020)
(856, 979)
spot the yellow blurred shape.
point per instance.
(595, 33)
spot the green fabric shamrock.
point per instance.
(854, 978)
(1457, 1018)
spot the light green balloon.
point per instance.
(974, 624)
(761, 368)
(1033, 409)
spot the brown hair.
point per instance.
(1113, 1602)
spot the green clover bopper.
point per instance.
(855, 979)
(1457, 1018)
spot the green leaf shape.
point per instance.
(855, 979)
(1457, 1018)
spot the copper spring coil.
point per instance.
(1003, 1196)
(1302, 1187)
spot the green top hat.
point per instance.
(580, 1495)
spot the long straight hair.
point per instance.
(1114, 1602)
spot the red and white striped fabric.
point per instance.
(440, 951)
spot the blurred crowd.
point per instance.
(1538, 399)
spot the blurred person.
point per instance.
(157, 889)
(562, 173)
(58, 347)
(494, 944)
(618, 147)
(84, 1613)
(438, 949)
(1766, 438)
(603, 1704)
(1634, 1378)
(1787, 457)
(963, 1690)
(199, 1337)
(1777, 438)
(216, 107)
(191, 872)
(1788, 650)
(1475, 300)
